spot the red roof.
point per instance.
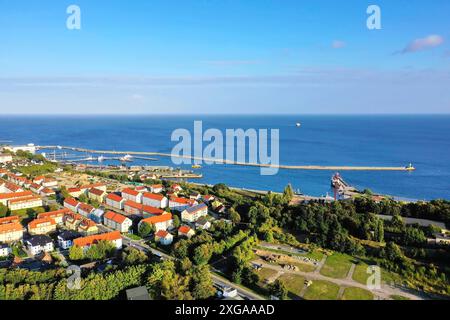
(154, 196)
(97, 192)
(85, 207)
(132, 204)
(71, 201)
(51, 214)
(157, 219)
(157, 186)
(47, 191)
(10, 227)
(34, 224)
(130, 192)
(161, 234)
(114, 197)
(71, 190)
(90, 240)
(15, 195)
(116, 217)
(25, 199)
(9, 219)
(184, 229)
(180, 200)
(153, 210)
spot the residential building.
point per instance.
(5, 250)
(155, 200)
(156, 188)
(115, 201)
(87, 227)
(100, 186)
(149, 211)
(25, 203)
(176, 188)
(138, 293)
(132, 195)
(113, 237)
(195, 196)
(38, 244)
(117, 221)
(5, 158)
(132, 207)
(65, 239)
(57, 215)
(85, 209)
(47, 192)
(36, 188)
(162, 222)
(208, 198)
(10, 232)
(10, 219)
(96, 194)
(72, 220)
(75, 192)
(42, 226)
(49, 183)
(39, 179)
(202, 223)
(71, 204)
(6, 197)
(97, 215)
(185, 231)
(191, 214)
(163, 237)
(179, 204)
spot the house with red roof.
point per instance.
(132, 195)
(42, 226)
(116, 221)
(115, 201)
(47, 192)
(112, 237)
(96, 194)
(36, 188)
(155, 200)
(149, 211)
(186, 231)
(57, 215)
(24, 203)
(162, 222)
(179, 204)
(85, 209)
(6, 197)
(192, 214)
(132, 207)
(10, 232)
(163, 237)
(156, 188)
(72, 204)
(75, 192)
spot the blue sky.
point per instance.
(225, 56)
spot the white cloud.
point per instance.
(420, 44)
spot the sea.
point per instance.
(327, 140)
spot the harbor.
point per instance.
(129, 154)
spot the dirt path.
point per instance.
(384, 293)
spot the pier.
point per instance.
(223, 161)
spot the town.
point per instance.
(53, 216)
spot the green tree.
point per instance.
(202, 286)
(3, 210)
(278, 289)
(132, 256)
(234, 215)
(145, 229)
(76, 253)
(176, 221)
(202, 254)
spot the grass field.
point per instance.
(304, 267)
(29, 213)
(264, 274)
(360, 274)
(353, 293)
(397, 297)
(337, 266)
(322, 290)
(294, 284)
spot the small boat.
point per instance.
(196, 166)
(298, 124)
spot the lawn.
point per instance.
(29, 213)
(337, 266)
(322, 290)
(264, 274)
(360, 274)
(353, 293)
(304, 267)
(294, 284)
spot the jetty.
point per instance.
(228, 162)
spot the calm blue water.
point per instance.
(322, 140)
